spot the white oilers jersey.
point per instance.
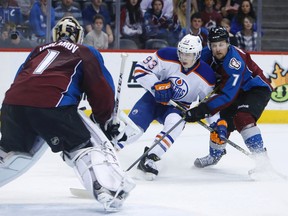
(188, 85)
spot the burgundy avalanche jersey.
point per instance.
(238, 72)
(57, 74)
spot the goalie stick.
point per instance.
(119, 87)
(81, 193)
(118, 93)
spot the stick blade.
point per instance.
(81, 193)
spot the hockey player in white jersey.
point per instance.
(175, 74)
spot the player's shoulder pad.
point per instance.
(206, 72)
(233, 60)
(168, 54)
(95, 52)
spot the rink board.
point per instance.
(274, 66)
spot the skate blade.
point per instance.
(146, 176)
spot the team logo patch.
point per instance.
(55, 141)
(234, 63)
(180, 87)
(134, 111)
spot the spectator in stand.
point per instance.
(174, 29)
(155, 23)
(211, 18)
(245, 9)
(25, 7)
(16, 40)
(10, 13)
(131, 21)
(38, 20)
(181, 12)
(196, 29)
(227, 8)
(193, 2)
(247, 37)
(66, 8)
(225, 22)
(97, 37)
(97, 8)
(167, 8)
(4, 37)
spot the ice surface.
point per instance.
(180, 189)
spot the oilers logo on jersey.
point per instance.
(180, 87)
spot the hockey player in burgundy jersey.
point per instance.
(169, 73)
(243, 94)
(42, 105)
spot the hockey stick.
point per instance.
(156, 142)
(119, 87)
(248, 154)
(173, 103)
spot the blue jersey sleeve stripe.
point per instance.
(105, 72)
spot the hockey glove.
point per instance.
(114, 130)
(196, 113)
(163, 91)
(219, 135)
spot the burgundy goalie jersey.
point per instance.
(57, 74)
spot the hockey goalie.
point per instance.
(40, 110)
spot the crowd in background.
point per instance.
(144, 24)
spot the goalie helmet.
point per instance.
(189, 44)
(68, 28)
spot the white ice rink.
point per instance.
(180, 189)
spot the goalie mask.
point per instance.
(189, 50)
(68, 28)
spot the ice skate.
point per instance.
(148, 166)
(208, 160)
(112, 201)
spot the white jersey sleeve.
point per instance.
(154, 69)
(188, 85)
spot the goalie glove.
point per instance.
(163, 91)
(114, 129)
(219, 133)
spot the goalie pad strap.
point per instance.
(98, 164)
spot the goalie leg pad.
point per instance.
(99, 171)
(14, 164)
